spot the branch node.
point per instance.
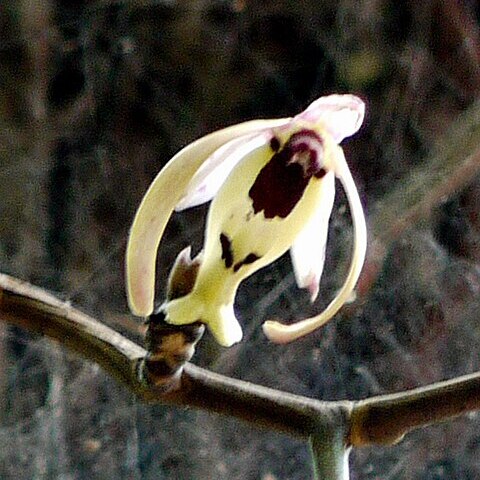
(169, 348)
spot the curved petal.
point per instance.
(342, 115)
(157, 206)
(308, 249)
(208, 179)
(280, 333)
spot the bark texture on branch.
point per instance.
(378, 420)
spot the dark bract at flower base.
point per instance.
(272, 186)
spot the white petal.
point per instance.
(157, 206)
(308, 249)
(342, 115)
(210, 176)
(279, 333)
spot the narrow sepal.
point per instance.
(280, 333)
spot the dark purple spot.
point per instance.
(227, 253)
(275, 144)
(321, 173)
(250, 258)
(280, 184)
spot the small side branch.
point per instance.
(386, 419)
(453, 165)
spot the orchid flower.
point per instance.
(272, 186)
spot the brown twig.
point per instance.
(452, 166)
(378, 420)
(37, 311)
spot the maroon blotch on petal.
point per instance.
(321, 173)
(227, 252)
(275, 144)
(280, 184)
(250, 258)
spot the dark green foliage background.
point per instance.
(95, 96)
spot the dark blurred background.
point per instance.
(95, 96)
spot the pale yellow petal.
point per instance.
(158, 203)
(308, 250)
